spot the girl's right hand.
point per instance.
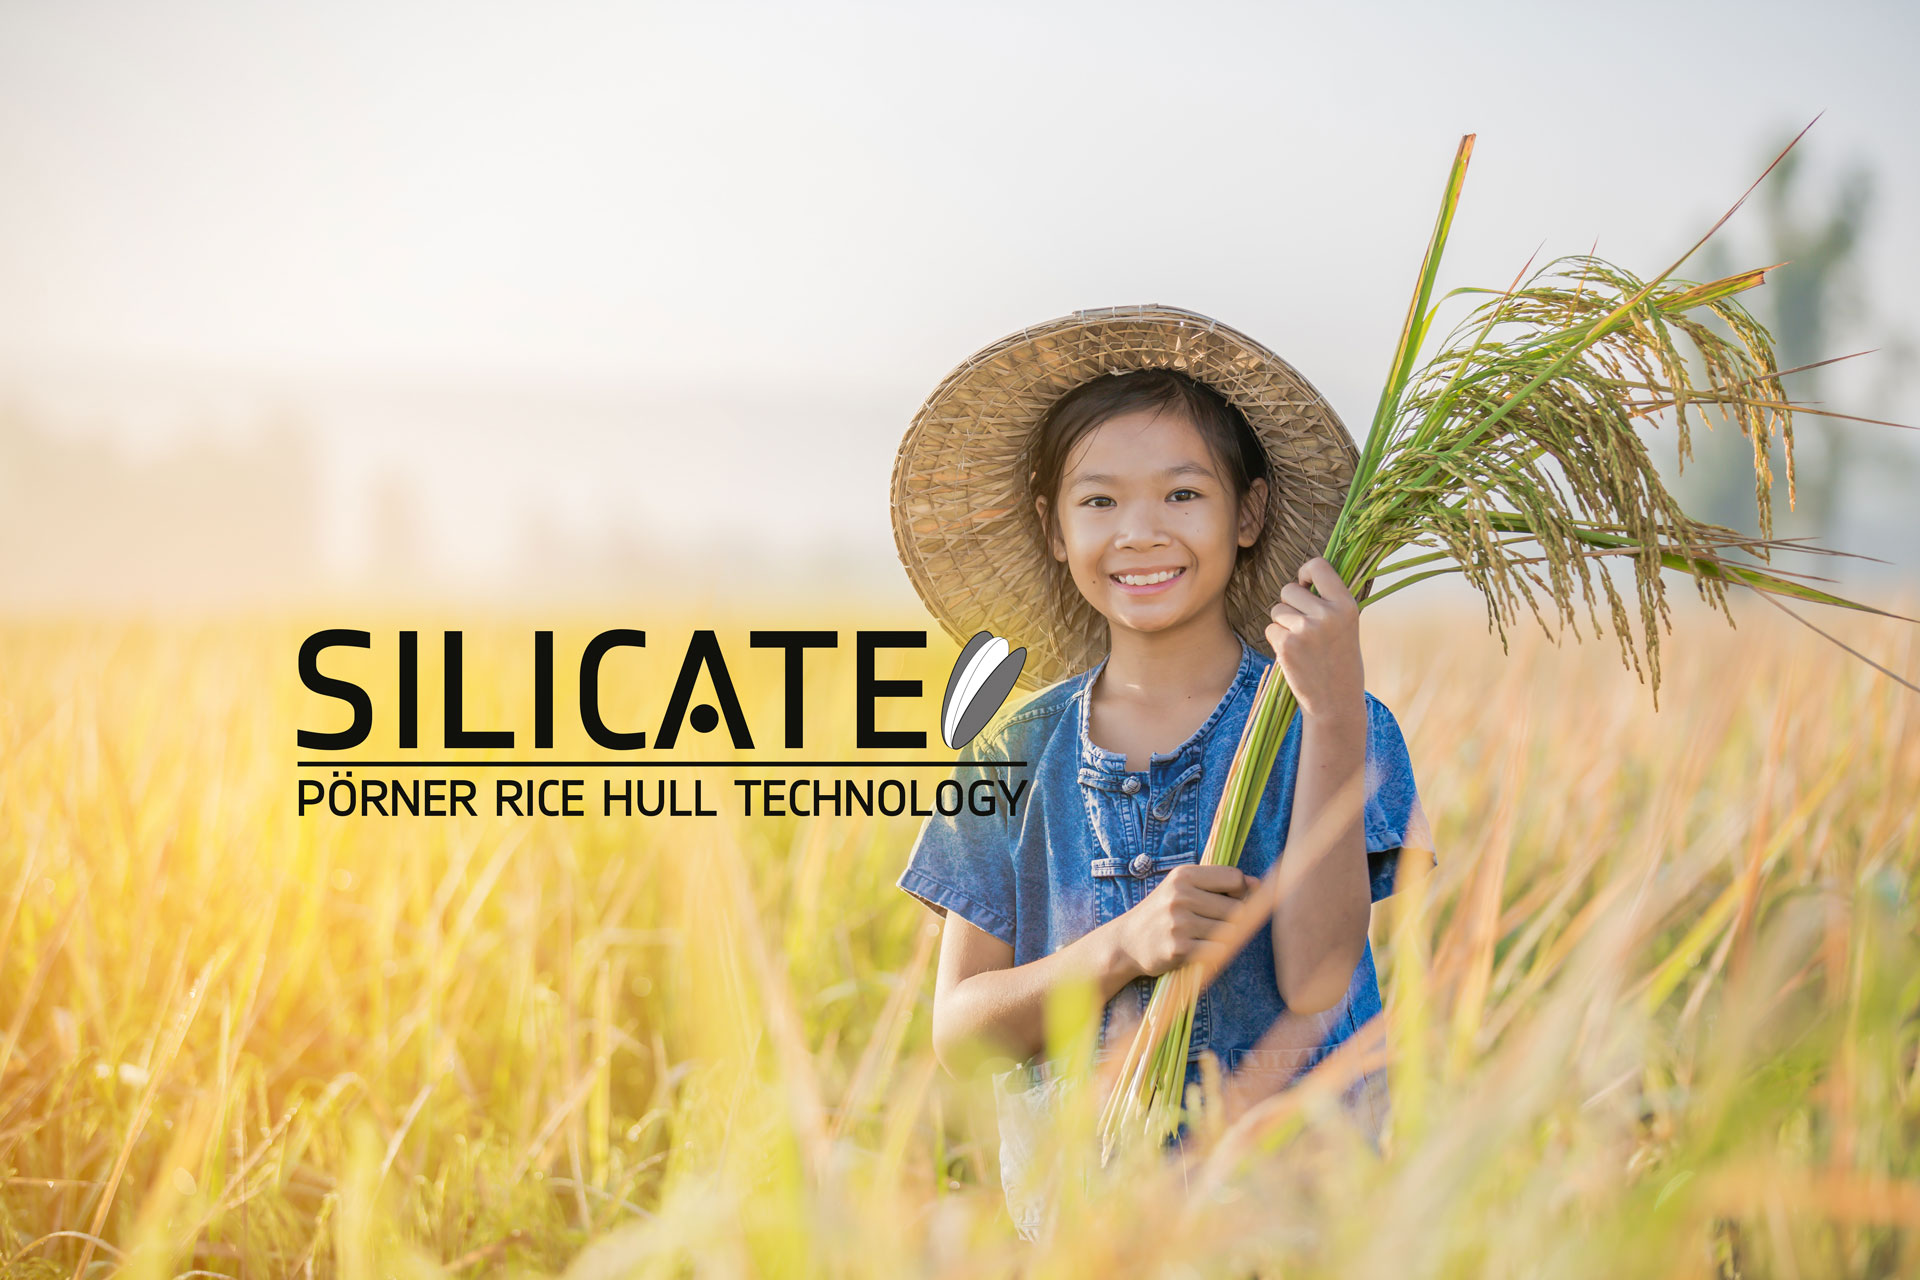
(1174, 923)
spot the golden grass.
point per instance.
(1656, 1012)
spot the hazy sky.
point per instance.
(692, 268)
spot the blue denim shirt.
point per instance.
(1090, 839)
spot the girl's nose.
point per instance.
(1141, 528)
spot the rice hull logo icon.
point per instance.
(982, 678)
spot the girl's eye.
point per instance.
(1096, 500)
(1191, 493)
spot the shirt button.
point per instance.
(1141, 863)
(1131, 786)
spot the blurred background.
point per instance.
(436, 302)
(575, 316)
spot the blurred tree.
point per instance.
(1809, 303)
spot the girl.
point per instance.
(1140, 495)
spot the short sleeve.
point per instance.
(963, 862)
(1394, 819)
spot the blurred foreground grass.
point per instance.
(1655, 1014)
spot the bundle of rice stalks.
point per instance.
(1511, 457)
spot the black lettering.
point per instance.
(704, 650)
(981, 804)
(796, 644)
(1013, 796)
(543, 688)
(506, 797)
(408, 795)
(625, 798)
(867, 689)
(458, 736)
(855, 795)
(590, 689)
(328, 687)
(409, 688)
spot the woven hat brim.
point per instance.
(964, 524)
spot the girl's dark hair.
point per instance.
(1224, 428)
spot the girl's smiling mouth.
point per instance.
(1146, 581)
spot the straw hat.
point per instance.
(964, 522)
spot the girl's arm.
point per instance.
(1320, 924)
(1324, 904)
(985, 1006)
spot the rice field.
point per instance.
(1655, 1013)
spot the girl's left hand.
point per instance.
(1316, 641)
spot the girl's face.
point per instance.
(1147, 523)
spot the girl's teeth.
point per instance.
(1147, 580)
